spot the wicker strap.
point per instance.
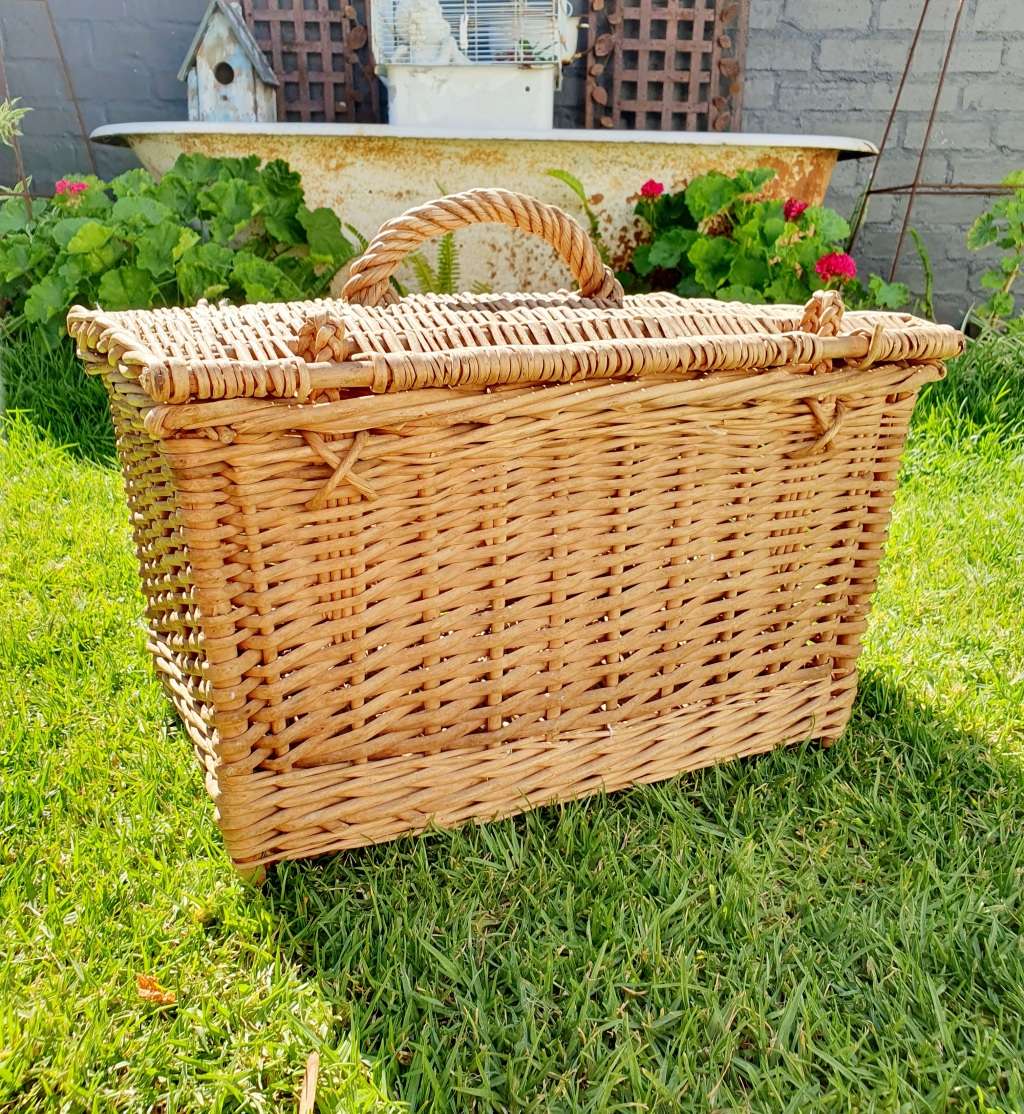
(369, 281)
(823, 315)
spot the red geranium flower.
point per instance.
(793, 208)
(837, 264)
(62, 185)
(651, 188)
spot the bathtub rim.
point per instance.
(847, 147)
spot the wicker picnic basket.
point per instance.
(421, 561)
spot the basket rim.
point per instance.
(264, 359)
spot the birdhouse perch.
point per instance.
(228, 75)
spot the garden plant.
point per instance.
(209, 228)
(1001, 226)
(720, 238)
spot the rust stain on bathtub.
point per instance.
(368, 179)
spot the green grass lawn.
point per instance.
(826, 930)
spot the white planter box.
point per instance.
(471, 96)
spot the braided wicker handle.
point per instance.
(369, 280)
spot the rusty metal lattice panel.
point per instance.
(665, 65)
(320, 51)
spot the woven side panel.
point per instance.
(167, 568)
(665, 67)
(320, 51)
(551, 599)
(274, 816)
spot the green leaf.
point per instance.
(1014, 178)
(15, 258)
(96, 245)
(426, 276)
(14, 216)
(670, 247)
(279, 216)
(141, 211)
(178, 195)
(982, 232)
(307, 276)
(64, 230)
(73, 270)
(261, 280)
(828, 224)
(186, 238)
(772, 229)
(230, 206)
(747, 234)
(710, 194)
(90, 236)
(47, 298)
(327, 243)
(993, 280)
(127, 288)
(362, 243)
(787, 288)
(571, 181)
(132, 183)
(888, 295)
(204, 271)
(195, 170)
(280, 180)
(749, 272)
(751, 181)
(711, 257)
(999, 305)
(740, 293)
(642, 260)
(155, 248)
(688, 287)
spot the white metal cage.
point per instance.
(472, 32)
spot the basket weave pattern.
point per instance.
(450, 558)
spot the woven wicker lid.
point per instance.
(371, 340)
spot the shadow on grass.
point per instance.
(49, 386)
(841, 923)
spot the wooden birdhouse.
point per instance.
(228, 76)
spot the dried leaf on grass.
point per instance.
(151, 991)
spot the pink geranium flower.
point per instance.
(652, 189)
(793, 208)
(836, 265)
(66, 186)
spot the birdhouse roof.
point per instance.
(241, 32)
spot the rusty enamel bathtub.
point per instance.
(370, 172)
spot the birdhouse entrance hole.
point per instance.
(224, 73)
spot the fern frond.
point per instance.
(426, 276)
(360, 239)
(447, 265)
